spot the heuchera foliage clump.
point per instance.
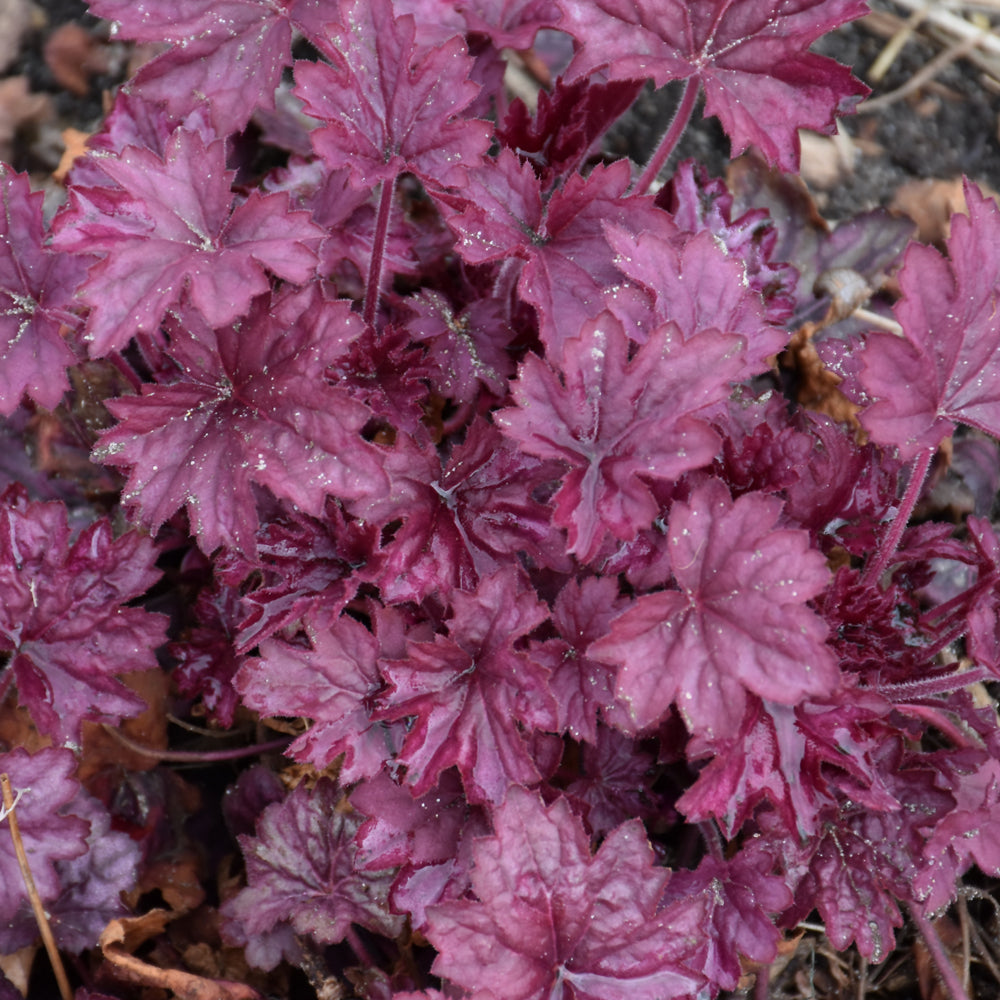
(570, 513)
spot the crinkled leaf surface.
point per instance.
(552, 922)
(471, 692)
(945, 369)
(334, 684)
(694, 282)
(389, 104)
(43, 786)
(619, 422)
(461, 522)
(741, 895)
(750, 57)
(301, 871)
(568, 264)
(583, 688)
(170, 228)
(228, 54)
(36, 291)
(251, 406)
(63, 615)
(738, 622)
(866, 862)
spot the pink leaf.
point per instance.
(945, 369)
(750, 57)
(64, 615)
(169, 226)
(250, 407)
(737, 623)
(389, 104)
(552, 922)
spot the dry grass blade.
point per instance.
(9, 811)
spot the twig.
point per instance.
(9, 805)
(923, 76)
(953, 24)
(895, 44)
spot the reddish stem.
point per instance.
(911, 690)
(374, 287)
(197, 756)
(944, 967)
(891, 541)
(682, 115)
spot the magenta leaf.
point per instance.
(552, 922)
(228, 54)
(945, 370)
(865, 862)
(169, 227)
(333, 683)
(965, 836)
(471, 692)
(738, 622)
(251, 406)
(751, 58)
(458, 523)
(741, 895)
(389, 104)
(301, 873)
(620, 421)
(36, 292)
(44, 789)
(64, 615)
(584, 689)
(697, 284)
(568, 264)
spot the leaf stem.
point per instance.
(197, 756)
(9, 808)
(682, 115)
(891, 541)
(378, 249)
(944, 967)
(909, 690)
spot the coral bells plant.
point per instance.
(576, 526)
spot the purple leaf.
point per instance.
(334, 683)
(741, 895)
(473, 691)
(301, 873)
(620, 421)
(568, 266)
(389, 104)
(36, 292)
(552, 922)
(65, 619)
(251, 406)
(751, 58)
(946, 368)
(738, 622)
(169, 227)
(227, 54)
(44, 788)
